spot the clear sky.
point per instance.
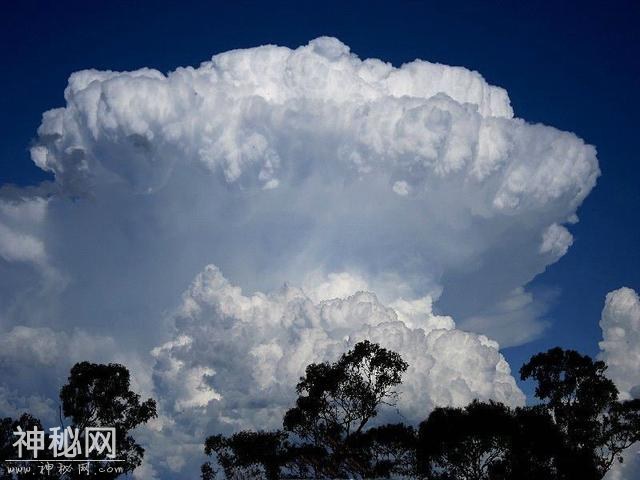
(571, 65)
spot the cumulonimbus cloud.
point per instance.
(308, 166)
(273, 163)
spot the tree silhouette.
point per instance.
(469, 443)
(576, 433)
(335, 403)
(323, 434)
(7, 451)
(389, 451)
(584, 404)
(99, 395)
(536, 445)
(96, 395)
(247, 455)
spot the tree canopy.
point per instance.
(324, 435)
(576, 432)
(95, 396)
(584, 404)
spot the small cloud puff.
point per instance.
(556, 240)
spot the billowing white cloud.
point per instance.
(620, 349)
(231, 349)
(235, 358)
(274, 163)
(309, 166)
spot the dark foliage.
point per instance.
(465, 444)
(324, 434)
(336, 401)
(389, 450)
(584, 403)
(536, 444)
(248, 454)
(99, 395)
(7, 451)
(576, 433)
(489, 441)
(95, 396)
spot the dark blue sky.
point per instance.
(574, 66)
